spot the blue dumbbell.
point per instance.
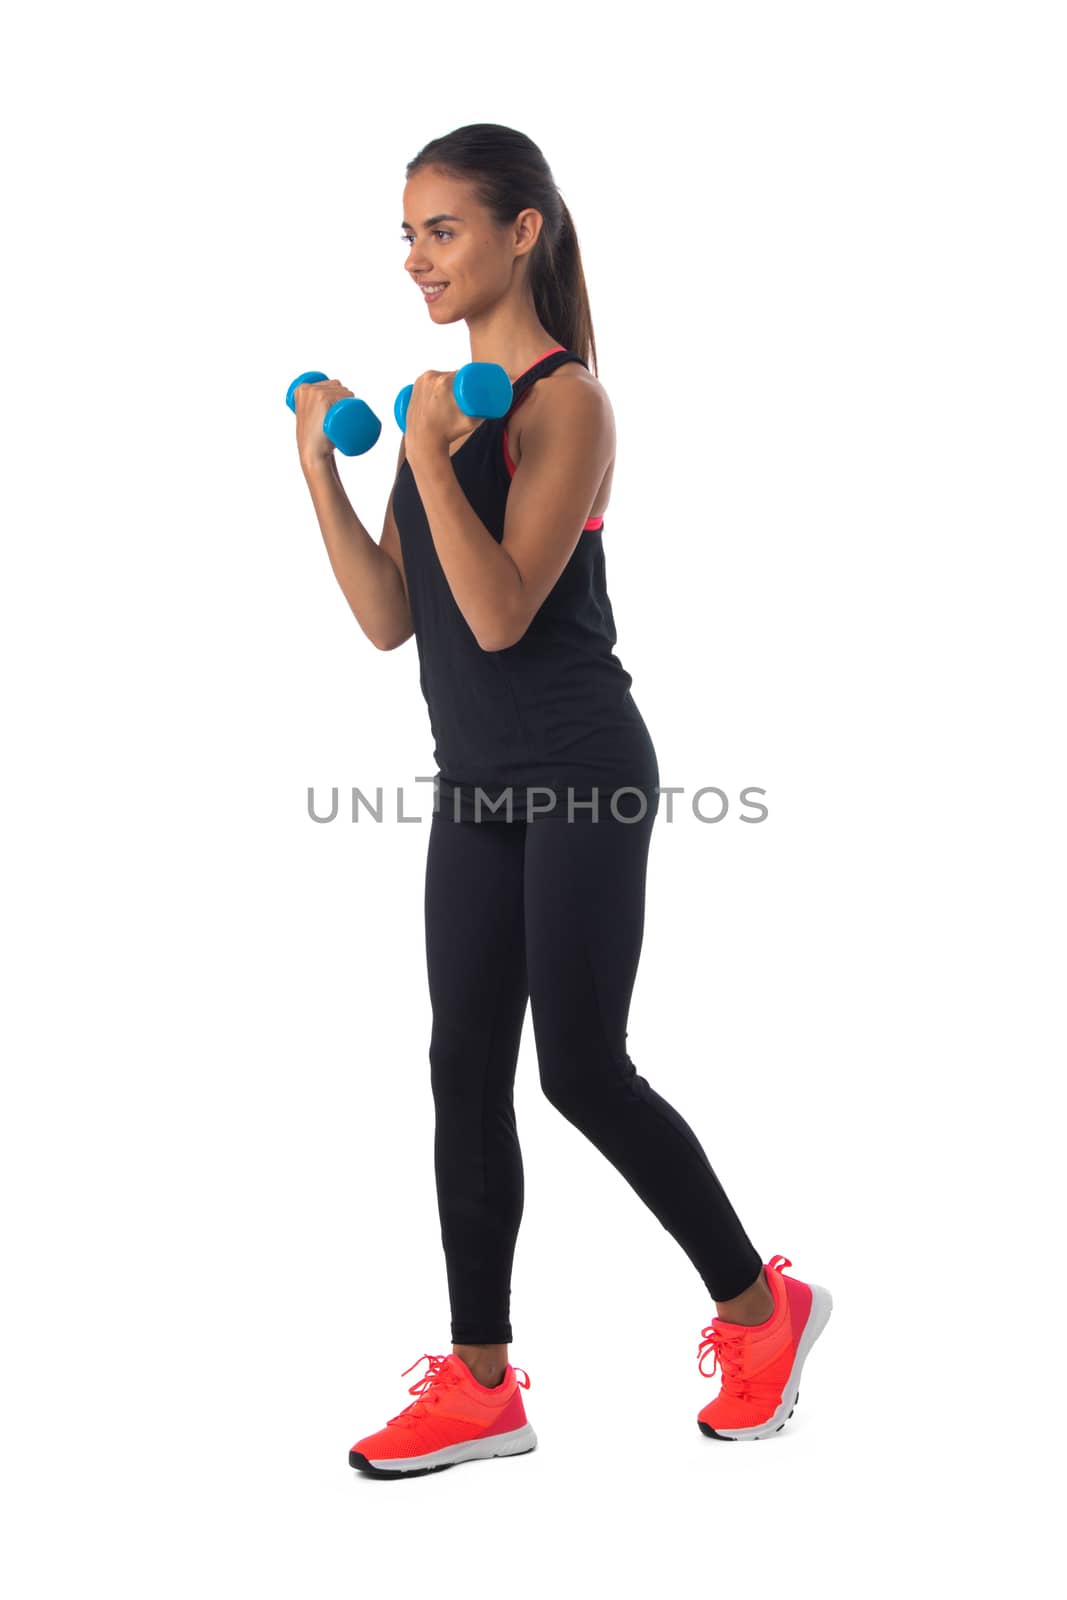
(349, 424)
(480, 389)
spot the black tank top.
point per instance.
(553, 710)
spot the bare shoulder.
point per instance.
(571, 374)
(592, 411)
(573, 380)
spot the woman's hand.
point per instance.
(312, 401)
(433, 418)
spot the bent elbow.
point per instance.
(504, 633)
(393, 643)
(499, 641)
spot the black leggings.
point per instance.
(551, 911)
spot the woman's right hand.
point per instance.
(312, 401)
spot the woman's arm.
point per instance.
(566, 449)
(371, 575)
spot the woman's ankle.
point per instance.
(487, 1363)
(752, 1308)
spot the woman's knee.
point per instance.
(580, 1083)
(452, 1053)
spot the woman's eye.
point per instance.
(441, 233)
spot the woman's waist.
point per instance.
(594, 757)
(528, 791)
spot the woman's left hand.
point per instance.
(433, 418)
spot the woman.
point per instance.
(492, 554)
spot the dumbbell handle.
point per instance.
(480, 389)
(350, 424)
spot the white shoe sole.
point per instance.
(822, 1303)
(515, 1443)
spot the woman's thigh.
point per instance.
(475, 940)
(584, 916)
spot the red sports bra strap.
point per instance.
(549, 352)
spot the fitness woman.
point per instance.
(493, 556)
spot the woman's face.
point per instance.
(453, 240)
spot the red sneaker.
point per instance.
(761, 1365)
(455, 1418)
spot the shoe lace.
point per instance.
(728, 1360)
(727, 1346)
(438, 1377)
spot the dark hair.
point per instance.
(508, 173)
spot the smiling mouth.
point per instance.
(431, 291)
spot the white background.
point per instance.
(824, 246)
